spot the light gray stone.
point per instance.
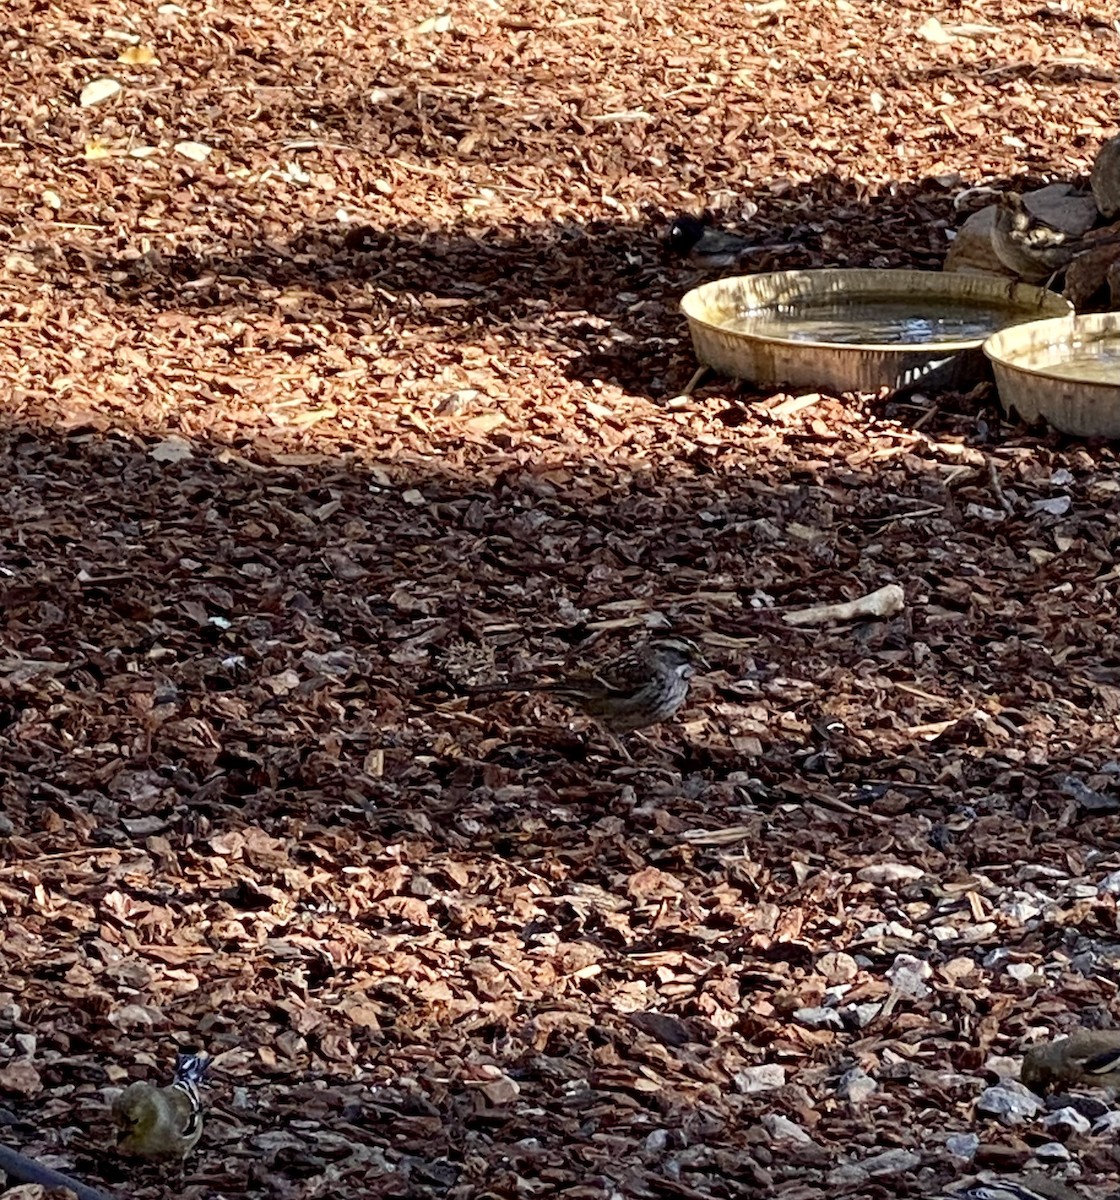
(1067, 1118)
(1010, 1102)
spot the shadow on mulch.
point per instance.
(604, 296)
(230, 641)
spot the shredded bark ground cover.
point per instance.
(342, 370)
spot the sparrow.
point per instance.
(162, 1123)
(644, 686)
(1091, 1056)
(1027, 245)
(694, 239)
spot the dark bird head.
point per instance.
(685, 233)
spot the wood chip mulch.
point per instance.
(342, 371)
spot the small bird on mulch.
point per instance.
(163, 1123)
(643, 687)
(693, 238)
(1090, 1056)
(698, 241)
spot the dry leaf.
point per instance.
(934, 32)
(436, 24)
(195, 151)
(98, 91)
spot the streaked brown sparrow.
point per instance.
(644, 686)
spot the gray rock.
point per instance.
(884, 873)
(819, 1018)
(656, 1142)
(861, 1014)
(1010, 1102)
(1052, 506)
(1052, 1152)
(1020, 971)
(971, 252)
(856, 1085)
(1105, 178)
(1002, 1065)
(891, 1162)
(962, 1145)
(1089, 798)
(1110, 884)
(1023, 909)
(1109, 1123)
(782, 1129)
(1060, 206)
(851, 1175)
(908, 975)
(762, 1078)
(1067, 1118)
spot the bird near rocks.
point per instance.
(1027, 245)
(643, 687)
(1090, 1056)
(162, 1123)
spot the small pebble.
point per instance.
(962, 1145)
(856, 1085)
(818, 1018)
(1110, 884)
(1010, 1102)
(783, 1129)
(851, 1175)
(1067, 1118)
(763, 1078)
(1002, 1065)
(1054, 506)
(1109, 1123)
(1052, 1152)
(891, 1162)
(1020, 971)
(861, 1014)
(1021, 910)
(884, 873)
(908, 975)
(1088, 1106)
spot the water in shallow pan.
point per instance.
(883, 321)
(1086, 360)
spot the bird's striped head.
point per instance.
(680, 654)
